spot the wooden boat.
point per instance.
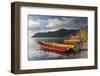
(72, 41)
(55, 47)
(62, 45)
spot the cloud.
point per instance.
(37, 24)
(45, 23)
(54, 22)
(33, 23)
(61, 23)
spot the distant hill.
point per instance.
(58, 33)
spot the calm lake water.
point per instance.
(34, 52)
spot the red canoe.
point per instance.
(51, 48)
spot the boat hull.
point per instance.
(56, 49)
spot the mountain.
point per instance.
(58, 33)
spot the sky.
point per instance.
(51, 23)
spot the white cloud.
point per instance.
(51, 24)
(54, 22)
(33, 23)
(58, 23)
